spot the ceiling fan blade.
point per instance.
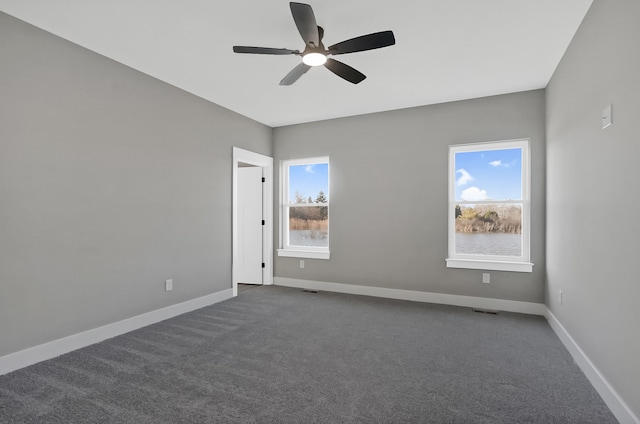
(364, 42)
(263, 50)
(344, 71)
(295, 74)
(306, 22)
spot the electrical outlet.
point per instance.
(168, 285)
(301, 263)
(486, 278)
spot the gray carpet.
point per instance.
(282, 355)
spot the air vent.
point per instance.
(486, 311)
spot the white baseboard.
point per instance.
(417, 296)
(32, 355)
(615, 403)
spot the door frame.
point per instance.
(266, 163)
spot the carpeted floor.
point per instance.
(282, 355)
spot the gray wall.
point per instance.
(592, 203)
(110, 183)
(388, 213)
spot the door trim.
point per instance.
(266, 163)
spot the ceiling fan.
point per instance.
(315, 53)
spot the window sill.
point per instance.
(490, 265)
(306, 254)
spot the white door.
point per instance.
(249, 269)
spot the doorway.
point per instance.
(252, 257)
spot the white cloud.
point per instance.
(473, 194)
(495, 163)
(465, 178)
(309, 169)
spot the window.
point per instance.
(489, 206)
(304, 200)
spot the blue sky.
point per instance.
(489, 175)
(309, 180)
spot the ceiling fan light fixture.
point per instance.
(314, 59)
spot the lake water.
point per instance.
(499, 244)
(310, 238)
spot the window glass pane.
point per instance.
(494, 229)
(309, 183)
(309, 226)
(488, 175)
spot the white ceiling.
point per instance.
(445, 50)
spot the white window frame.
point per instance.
(487, 262)
(287, 250)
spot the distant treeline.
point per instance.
(489, 219)
(311, 213)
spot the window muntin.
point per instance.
(305, 208)
(489, 206)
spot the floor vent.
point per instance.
(486, 311)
